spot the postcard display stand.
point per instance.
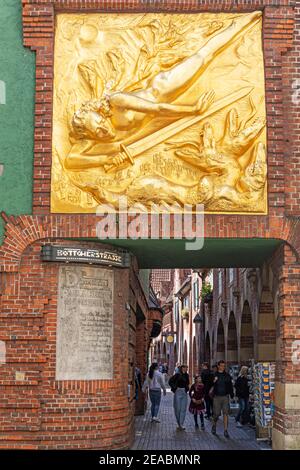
(263, 389)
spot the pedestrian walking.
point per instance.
(177, 367)
(221, 391)
(197, 404)
(166, 369)
(180, 384)
(155, 383)
(242, 392)
(207, 378)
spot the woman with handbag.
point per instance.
(180, 384)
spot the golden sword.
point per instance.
(135, 149)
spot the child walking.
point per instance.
(197, 401)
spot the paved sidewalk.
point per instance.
(164, 436)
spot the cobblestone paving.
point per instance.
(164, 436)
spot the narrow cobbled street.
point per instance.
(164, 436)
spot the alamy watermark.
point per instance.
(296, 352)
(2, 92)
(157, 222)
(296, 92)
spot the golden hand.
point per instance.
(119, 159)
(205, 101)
(115, 162)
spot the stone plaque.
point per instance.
(84, 344)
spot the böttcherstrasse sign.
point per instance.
(85, 255)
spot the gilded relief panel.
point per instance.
(165, 109)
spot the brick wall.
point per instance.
(40, 411)
(279, 18)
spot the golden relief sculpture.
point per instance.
(165, 109)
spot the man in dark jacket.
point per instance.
(222, 390)
(207, 378)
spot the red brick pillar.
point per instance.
(286, 431)
(266, 328)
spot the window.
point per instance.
(176, 311)
(196, 294)
(220, 281)
(186, 302)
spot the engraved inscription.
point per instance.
(85, 324)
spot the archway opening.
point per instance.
(220, 350)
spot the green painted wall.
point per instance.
(17, 69)
(215, 253)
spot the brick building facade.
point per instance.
(33, 307)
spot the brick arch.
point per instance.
(24, 230)
(232, 340)
(220, 341)
(21, 231)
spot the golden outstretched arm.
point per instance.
(127, 101)
(78, 158)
